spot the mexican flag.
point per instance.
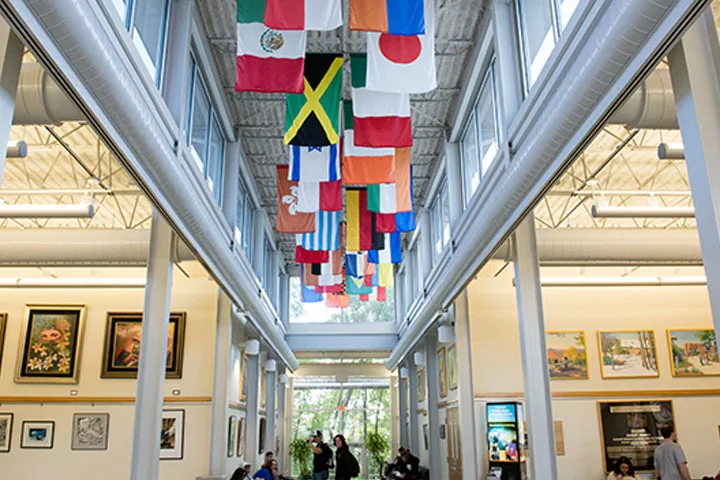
(267, 60)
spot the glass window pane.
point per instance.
(200, 120)
(149, 27)
(487, 131)
(240, 217)
(538, 36)
(567, 7)
(121, 7)
(445, 197)
(469, 154)
(436, 222)
(215, 160)
(249, 227)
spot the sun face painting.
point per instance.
(567, 355)
(693, 353)
(628, 354)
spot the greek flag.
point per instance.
(326, 235)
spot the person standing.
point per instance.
(346, 465)
(670, 461)
(322, 457)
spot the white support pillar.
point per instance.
(252, 419)
(695, 74)
(414, 442)
(538, 399)
(394, 413)
(453, 168)
(177, 65)
(280, 427)
(284, 301)
(436, 463)
(11, 53)
(231, 180)
(466, 393)
(509, 74)
(145, 463)
(402, 408)
(288, 433)
(270, 388)
(221, 380)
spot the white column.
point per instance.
(695, 73)
(394, 414)
(258, 259)
(538, 400)
(270, 386)
(280, 427)
(426, 246)
(252, 406)
(284, 300)
(436, 463)
(288, 433)
(402, 409)
(414, 442)
(221, 380)
(231, 179)
(145, 463)
(11, 53)
(509, 74)
(453, 168)
(465, 391)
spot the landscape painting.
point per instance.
(628, 354)
(693, 353)
(567, 355)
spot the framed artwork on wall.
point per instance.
(37, 434)
(6, 424)
(263, 386)
(452, 366)
(242, 387)
(172, 435)
(123, 337)
(50, 345)
(261, 435)
(420, 385)
(567, 355)
(90, 431)
(628, 354)
(3, 323)
(232, 435)
(241, 437)
(442, 372)
(425, 436)
(693, 353)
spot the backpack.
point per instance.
(354, 465)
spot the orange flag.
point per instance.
(289, 220)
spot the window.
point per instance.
(147, 21)
(244, 221)
(440, 221)
(268, 279)
(479, 142)
(204, 136)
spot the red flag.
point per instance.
(331, 196)
(311, 256)
(289, 220)
(385, 222)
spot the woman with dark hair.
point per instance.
(623, 470)
(346, 465)
(268, 471)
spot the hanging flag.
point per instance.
(382, 198)
(403, 64)
(381, 119)
(362, 165)
(311, 256)
(331, 272)
(326, 235)
(329, 288)
(308, 294)
(355, 264)
(372, 280)
(359, 221)
(386, 275)
(405, 17)
(267, 60)
(385, 222)
(337, 300)
(312, 118)
(314, 164)
(392, 253)
(303, 14)
(310, 279)
(377, 295)
(377, 238)
(356, 286)
(403, 181)
(289, 220)
(317, 196)
(405, 220)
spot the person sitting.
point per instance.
(267, 472)
(410, 469)
(623, 470)
(396, 464)
(242, 473)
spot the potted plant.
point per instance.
(378, 450)
(301, 455)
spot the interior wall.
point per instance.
(497, 366)
(195, 296)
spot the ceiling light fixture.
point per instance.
(52, 282)
(671, 151)
(16, 149)
(606, 211)
(670, 281)
(85, 209)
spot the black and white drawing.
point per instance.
(90, 431)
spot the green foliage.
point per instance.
(301, 456)
(378, 450)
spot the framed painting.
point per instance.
(232, 435)
(242, 387)
(38, 434)
(90, 431)
(241, 437)
(6, 424)
(693, 353)
(567, 355)
(261, 435)
(172, 435)
(123, 338)
(452, 366)
(442, 372)
(263, 387)
(420, 385)
(628, 354)
(3, 323)
(425, 436)
(51, 344)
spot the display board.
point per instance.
(632, 429)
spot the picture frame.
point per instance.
(123, 337)
(172, 435)
(232, 435)
(6, 426)
(628, 354)
(241, 437)
(242, 390)
(90, 431)
(262, 427)
(263, 387)
(420, 385)
(442, 431)
(567, 354)
(50, 344)
(693, 352)
(425, 436)
(452, 366)
(442, 372)
(3, 324)
(38, 434)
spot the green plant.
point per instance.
(378, 449)
(301, 455)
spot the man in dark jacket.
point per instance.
(322, 457)
(396, 464)
(411, 466)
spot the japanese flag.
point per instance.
(403, 64)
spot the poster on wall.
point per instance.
(242, 387)
(452, 366)
(502, 421)
(628, 354)
(50, 351)
(567, 355)
(90, 431)
(632, 429)
(6, 423)
(123, 337)
(172, 435)
(693, 353)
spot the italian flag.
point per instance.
(382, 119)
(303, 14)
(267, 60)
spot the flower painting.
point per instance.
(51, 350)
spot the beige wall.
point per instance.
(497, 366)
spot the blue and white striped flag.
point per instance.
(392, 253)
(355, 264)
(326, 235)
(314, 164)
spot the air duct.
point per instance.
(16, 149)
(31, 210)
(651, 106)
(80, 247)
(40, 101)
(671, 151)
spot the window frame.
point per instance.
(438, 220)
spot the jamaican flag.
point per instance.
(312, 118)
